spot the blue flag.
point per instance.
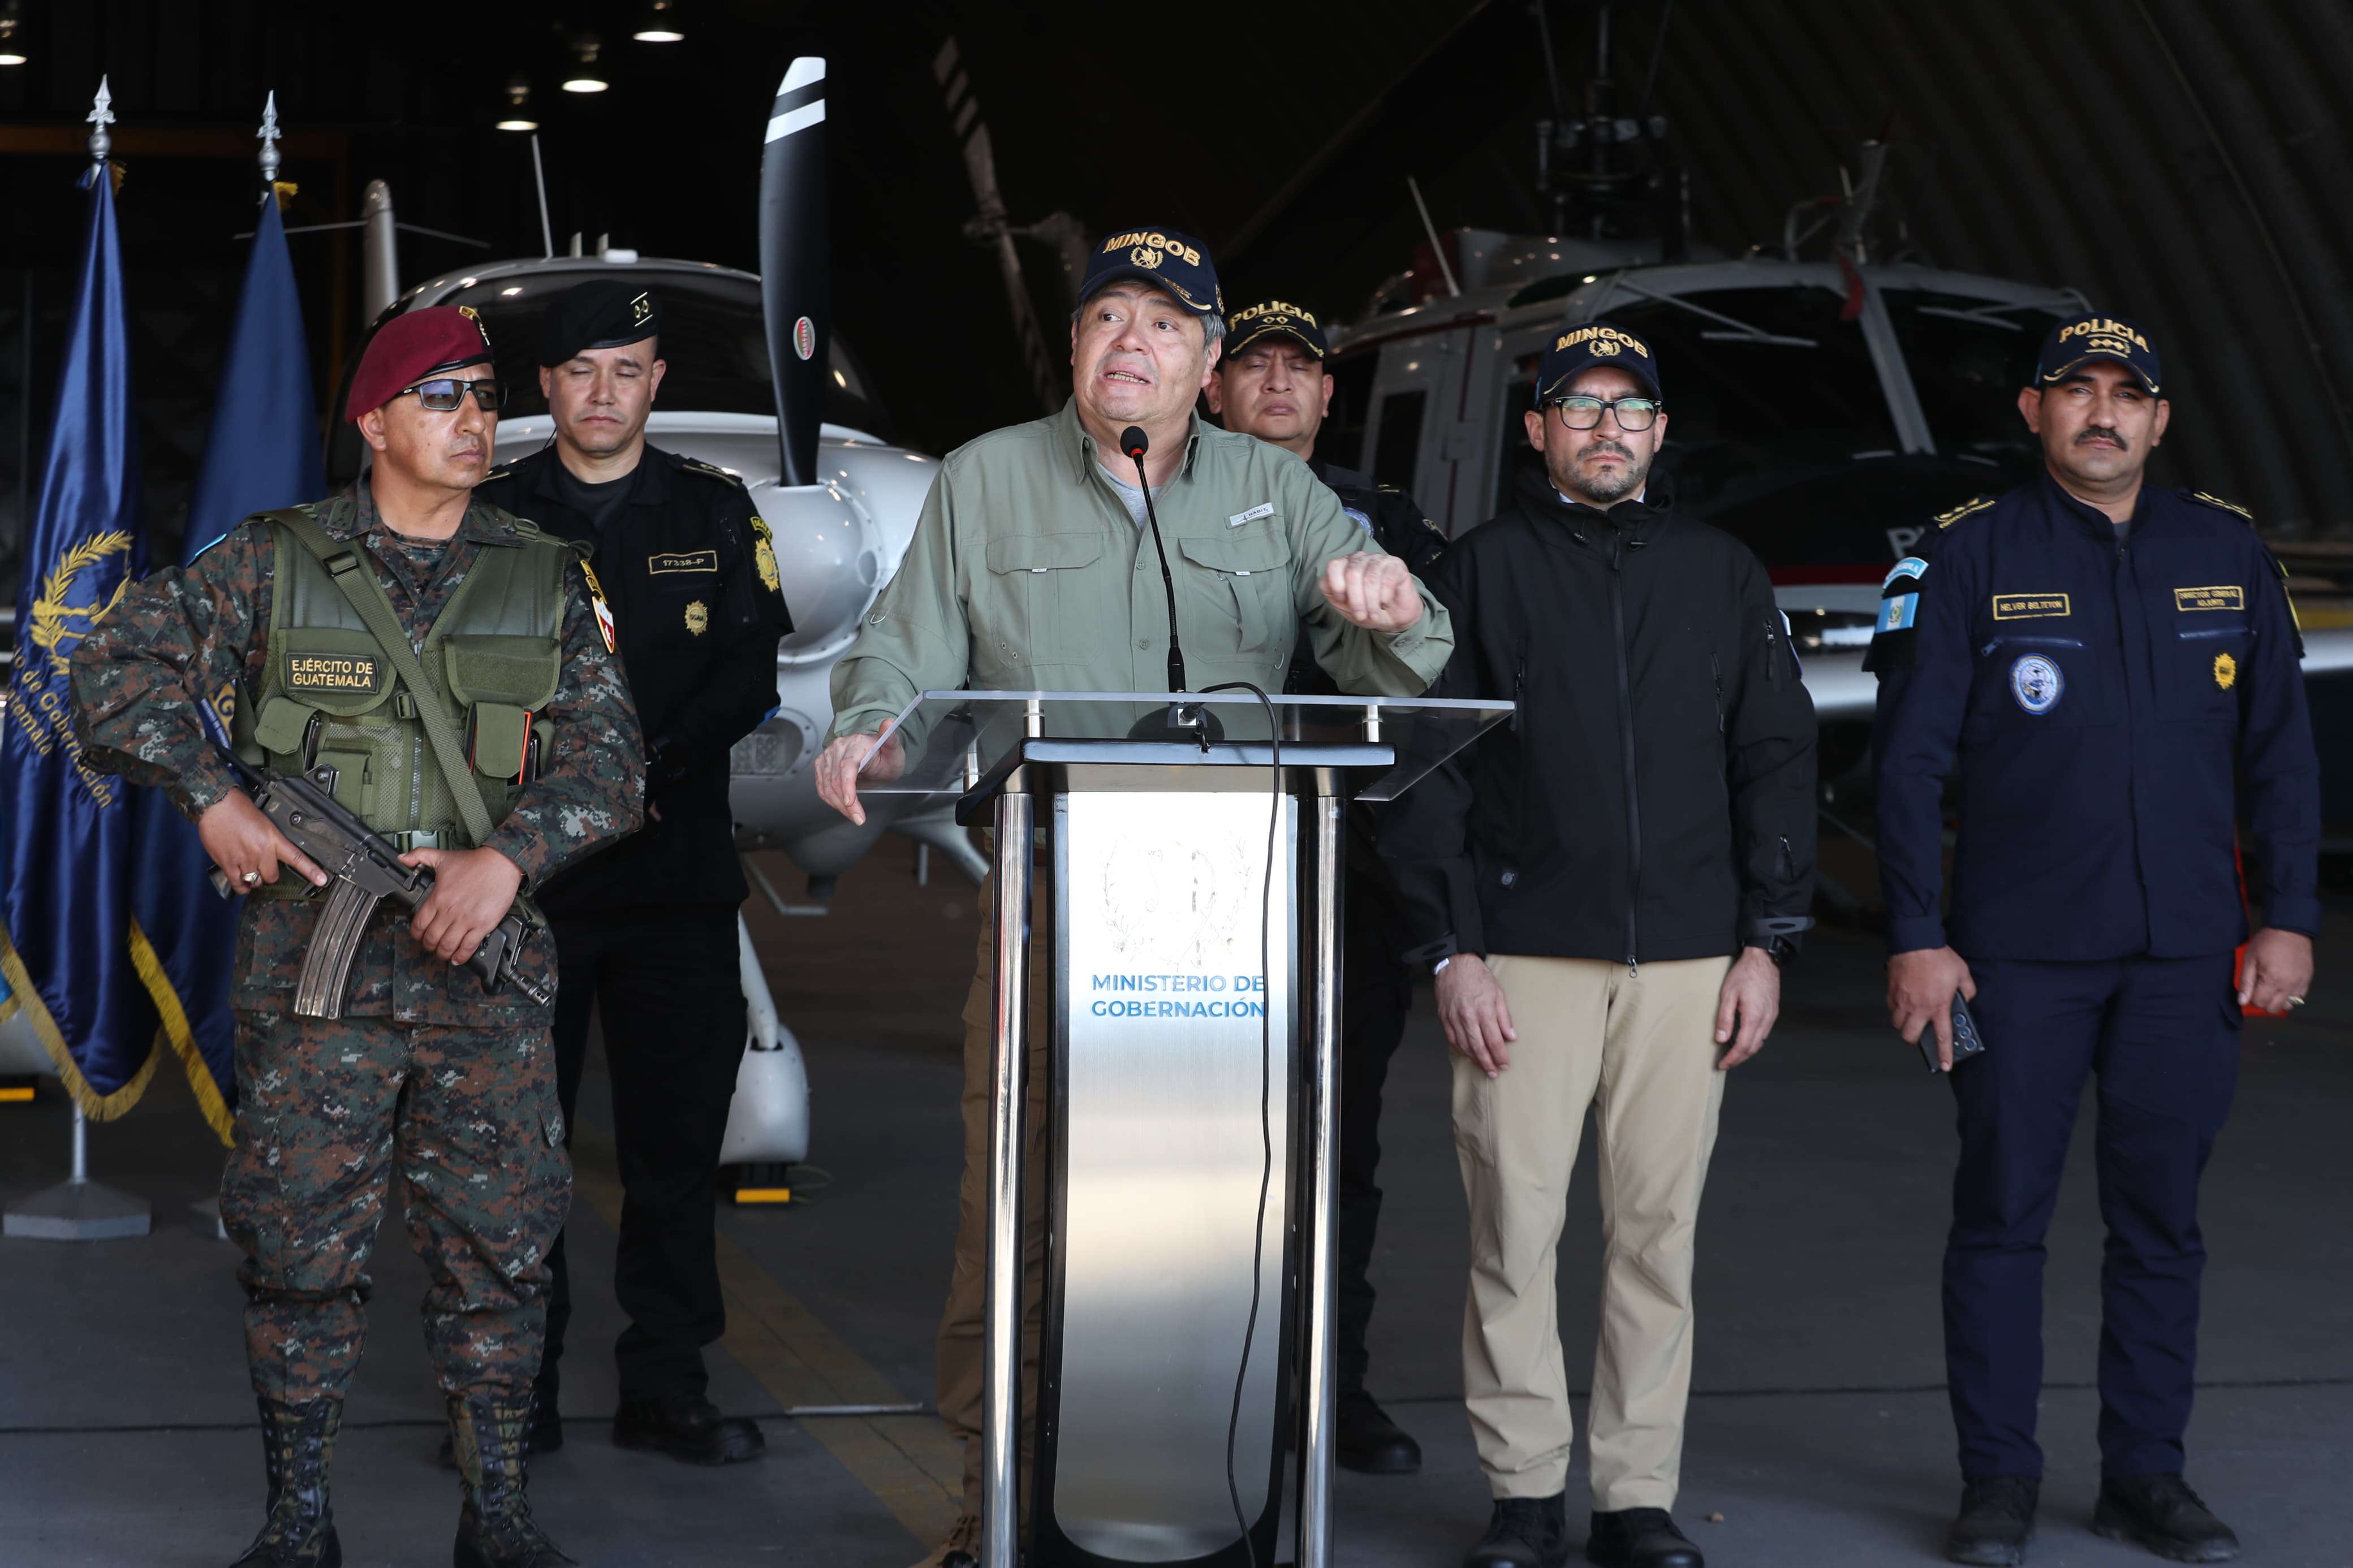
(66, 863)
(263, 453)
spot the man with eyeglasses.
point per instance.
(2111, 671)
(647, 933)
(1606, 885)
(486, 733)
(1271, 382)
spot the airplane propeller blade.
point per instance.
(796, 276)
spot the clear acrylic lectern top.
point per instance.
(951, 740)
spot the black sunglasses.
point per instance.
(441, 393)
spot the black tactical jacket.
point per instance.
(1654, 797)
(697, 609)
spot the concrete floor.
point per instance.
(1818, 1433)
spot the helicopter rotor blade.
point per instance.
(990, 227)
(796, 273)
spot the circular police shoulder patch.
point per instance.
(2036, 683)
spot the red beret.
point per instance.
(412, 346)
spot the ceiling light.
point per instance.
(517, 114)
(660, 25)
(12, 28)
(587, 79)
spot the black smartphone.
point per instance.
(1967, 1041)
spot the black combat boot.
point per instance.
(544, 1435)
(1995, 1520)
(1524, 1533)
(1370, 1442)
(297, 1443)
(1638, 1538)
(2163, 1514)
(494, 1527)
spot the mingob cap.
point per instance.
(1578, 348)
(1174, 263)
(1273, 319)
(2079, 338)
(412, 346)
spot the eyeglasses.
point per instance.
(1584, 413)
(443, 394)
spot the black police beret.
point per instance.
(604, 314)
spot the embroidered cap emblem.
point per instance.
(2226, 672)
(1144, 256)
(2036, 683)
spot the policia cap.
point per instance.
(1274, 318)
(2079, 338)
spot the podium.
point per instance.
(1191, 1160)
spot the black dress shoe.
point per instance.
(1640, 1538)
(1368, 1441)
(1524, 1533)
(689, 1430)
(2163, 1514)
(1995, 1520)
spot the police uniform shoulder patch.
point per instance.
(1945, 520)
(596, 602)
(2218, 504)
(696, 465)
(763, 554)
(1894, 639)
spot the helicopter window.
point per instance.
(1969, 358)
(713, 343)
(1397, 450)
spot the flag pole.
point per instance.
(80, 1209)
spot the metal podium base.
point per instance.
(80, 1211)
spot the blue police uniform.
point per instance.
(2111, 699)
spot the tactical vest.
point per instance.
(329, 696)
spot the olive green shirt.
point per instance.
(1026, 574)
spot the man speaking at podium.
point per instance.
(1030, 570)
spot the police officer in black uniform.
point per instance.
(1269, 383)
(647, 929)
(2111, 669)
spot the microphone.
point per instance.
(1135, 443)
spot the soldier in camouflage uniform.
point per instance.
(425, 1078)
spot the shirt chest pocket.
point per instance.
(1038, 610)
(1247, 578)
(2201, 658)
(680, 597)
(2032, 681)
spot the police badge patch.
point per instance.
(698, 618)
(2226, 672)
(764, 555)
(2036, 683)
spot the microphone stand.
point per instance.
(1184, 720)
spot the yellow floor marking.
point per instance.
(907, 1461)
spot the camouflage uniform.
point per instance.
(424, 1076)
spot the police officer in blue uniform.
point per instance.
(2111, 669)
(646, 931)
(1271, 382)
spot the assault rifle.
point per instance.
(366, 871)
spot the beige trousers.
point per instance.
(963, 1355)
(1639, 1048)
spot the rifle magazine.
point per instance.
(326, 974)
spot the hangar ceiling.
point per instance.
(2179, 160)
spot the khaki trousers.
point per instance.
(962, 1356)
(1639, 1048)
